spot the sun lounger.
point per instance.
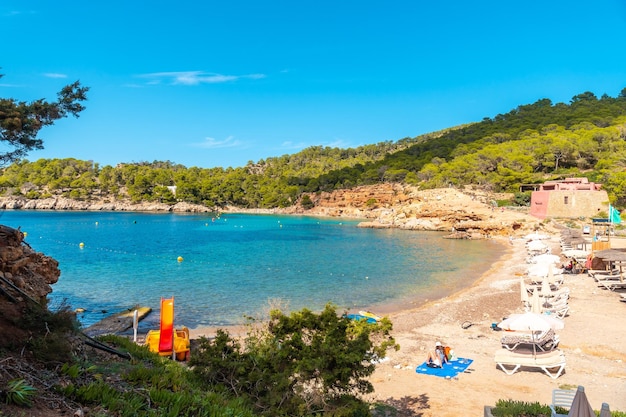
(551, 362)
(599, 274)
(558, 310)
(612, 284)
(544, 342)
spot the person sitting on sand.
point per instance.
(437, 358)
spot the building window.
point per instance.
(565, 200)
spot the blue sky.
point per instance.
(207, 83)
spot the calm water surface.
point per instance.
(235, 265)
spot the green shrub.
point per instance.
(50, 330)
(306, 202)
(18, 392)
(511, 408)
(298, 364)
(522, 199)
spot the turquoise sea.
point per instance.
(236, 264)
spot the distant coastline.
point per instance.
(465, 215)
(62, 203)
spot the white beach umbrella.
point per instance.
(546, 290)
(546, 258)
(536, 246)
(523, 292)
(538, 270)
(535, 303)
(580, 405)
(536, 236)
(550, 277)
(575, 253)
(531, 322)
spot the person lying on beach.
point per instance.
(437, 358)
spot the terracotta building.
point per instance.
(571, 197)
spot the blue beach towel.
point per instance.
(359, 317)
(450, 369)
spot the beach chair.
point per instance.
(544, 342)
(558, 310)
(561, 398)
(552, 363)
(602, 274)
(612, 284)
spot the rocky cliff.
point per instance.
(464, 213)
(25, 278)
(24, 272)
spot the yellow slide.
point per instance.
(168, 341)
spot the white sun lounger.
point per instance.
(612, 284)
(551, 362)
(543, 342)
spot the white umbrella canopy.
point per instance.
(536, 236)
(536, 246)
(531, 322)
(546, 258)
(539, 270)
(575, 253)
(580, 405)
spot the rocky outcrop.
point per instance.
(62, 203)
(24, 273)
(466, 214)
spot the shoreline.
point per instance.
(595, 358)
(595, 352)
(389, 308)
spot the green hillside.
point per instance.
(529, 144)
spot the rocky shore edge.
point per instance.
(63, 203)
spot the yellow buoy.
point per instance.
(180, 259)
(81, 244)
(25, 234)
(96, 223)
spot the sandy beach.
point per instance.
(593, 341)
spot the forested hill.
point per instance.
(529, 144)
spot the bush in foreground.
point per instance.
(298, 364)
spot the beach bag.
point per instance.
(447, 351)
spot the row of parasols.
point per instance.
(544, 300)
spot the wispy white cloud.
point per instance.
(54, 75)
(212, 143)
(9, 13)
(292, 145)
(338, 143)
(194, 77)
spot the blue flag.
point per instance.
(614, 216)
